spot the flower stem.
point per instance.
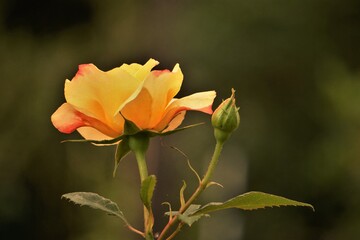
(213, 163)
(143, 171)
(139, 143)
(202, 186)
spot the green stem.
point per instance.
(139, 143)
(213, 163)
(143, 170)
(202, 186)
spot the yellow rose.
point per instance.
(97, 102)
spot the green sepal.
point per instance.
(147, 190)
(154, 133)
(130, 127)
(122, 149)
(95, 201)
(251, 201)
(99, 142)
(226, 118)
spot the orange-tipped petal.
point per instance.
(197, 102)
(66, 119)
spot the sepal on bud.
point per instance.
(226, 118)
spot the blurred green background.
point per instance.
(296, 68)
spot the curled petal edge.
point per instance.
(67, 119)
(201, 102)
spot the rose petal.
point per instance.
(101, 94)
(201, 101)
(158, 90)
(140, 71)
(96, 98)
(162, 86)
(92, 134)
(139, 110)
(175, 122)
(67, 119)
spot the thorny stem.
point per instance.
(202, 186)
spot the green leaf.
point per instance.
(251, 201)
(95, 201)
(147, 190)
(122, 149)
(189, 217)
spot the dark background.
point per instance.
(295, 66)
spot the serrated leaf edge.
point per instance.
(118, 213)
(250, 207)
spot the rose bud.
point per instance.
(226, 118)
